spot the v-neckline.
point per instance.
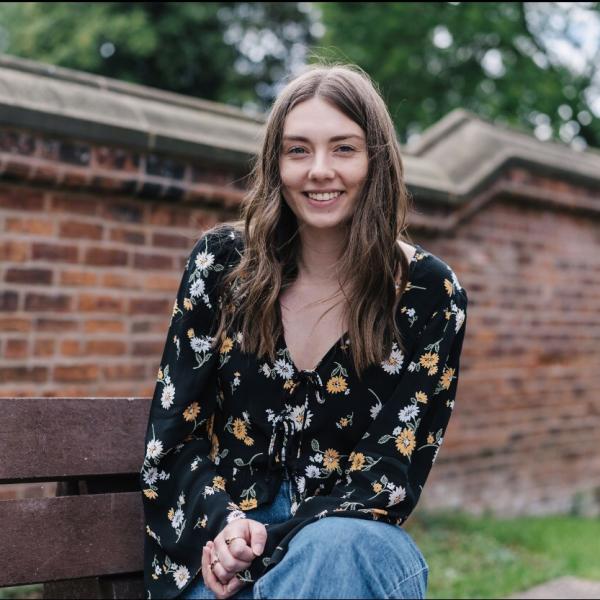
(315, 369)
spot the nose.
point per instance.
(320, 167)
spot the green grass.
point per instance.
(22, 591)
(483, 557)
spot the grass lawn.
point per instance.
(483, 557)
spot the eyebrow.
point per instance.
(336, 138)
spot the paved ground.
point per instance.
(563, 587)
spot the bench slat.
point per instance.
(47, 539)
(49, 439)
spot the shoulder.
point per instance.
(438, 278)
(219, 247)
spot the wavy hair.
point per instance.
(269, 228)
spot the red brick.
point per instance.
(163, 283)
(44, 302)
(95, 303)
(78, 278)
(146, 306)
(49, 325)
(115, 159)
(106, 257)
(30, 276)
(9, 301)
(174, 241)
(152, 261)
(124, 372)
(72, 203)
(160, 215)
(122, 212)
(16, 348)
(157, 327)
(104, 326)
(75, 178)
(44, 347)
(76, 373)
(148, 348)
(70, 348)
(33, 226)
(54, 252)
(79, 229)
(22, 374)
(14, 251)
(16, 198)
(128, 236)
(12, 324)
(105, 347)
(127, 281)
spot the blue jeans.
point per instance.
(334, 557)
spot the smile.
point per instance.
(326, 197)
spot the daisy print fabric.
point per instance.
(224, 425)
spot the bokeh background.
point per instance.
(128, 129)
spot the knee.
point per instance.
(360, 541)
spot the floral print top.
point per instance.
(224, 425)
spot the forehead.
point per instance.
(318, 119)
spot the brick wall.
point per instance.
(524, 436)
(88, 284)
(89, 281)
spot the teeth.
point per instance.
(328, 196)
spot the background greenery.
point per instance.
(498, 59)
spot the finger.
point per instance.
(236, 555)
(210, 579)
(258, 537)
(241, 550)
(233, 586)
(219, 570)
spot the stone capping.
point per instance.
(454, 159)
(59, 101)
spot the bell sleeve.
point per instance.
(185, 500)
(386, 471)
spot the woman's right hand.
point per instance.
(250, 539)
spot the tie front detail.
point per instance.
(289, 424)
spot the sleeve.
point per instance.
(185, 500)
(386, 471)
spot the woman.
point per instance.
(309, 372)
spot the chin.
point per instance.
(324, 223)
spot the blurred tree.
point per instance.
(512, 62)
(232, 52)
(515, 62)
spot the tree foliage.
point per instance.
(502, 60)
(512, 62)
(231, 52)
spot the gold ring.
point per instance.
(213, 563)
(229, 540)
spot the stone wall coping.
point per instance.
(453, 159)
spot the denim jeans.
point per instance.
(334, 557)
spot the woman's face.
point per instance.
(322, 151)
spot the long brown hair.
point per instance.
(270, 229)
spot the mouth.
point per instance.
(324, 197)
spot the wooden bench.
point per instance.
(88, 541)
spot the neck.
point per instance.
(320, 253)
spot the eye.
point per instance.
(291, 150)
(348, 147)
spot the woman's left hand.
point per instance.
(221, 591)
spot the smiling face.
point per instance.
(323, 154)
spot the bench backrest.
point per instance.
(94, 530)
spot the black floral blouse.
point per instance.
(224, 425)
